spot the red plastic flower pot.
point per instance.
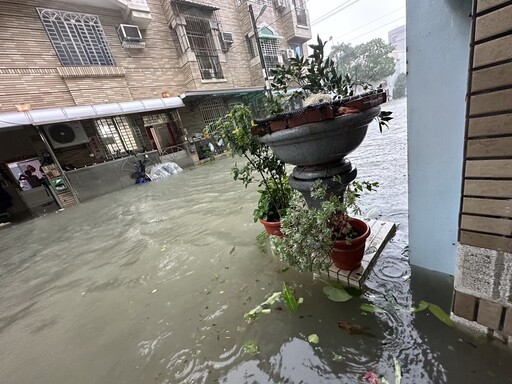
(273, 228)
(348, 256)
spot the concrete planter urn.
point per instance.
(323, 142)
(319, 151)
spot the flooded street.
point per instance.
(150, 285)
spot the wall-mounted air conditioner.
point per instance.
(68, 134)
(227, 40)
(130, 36)
(280, 4)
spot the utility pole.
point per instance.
(260, 51)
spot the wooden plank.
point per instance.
(488, 188)
(490, 125)
(493, 77)
(482, 5)
(494, 102)
(493, 23)
(493, 51)
(489, 168)
(381, 233)
(497, 147)
(490, 207)
(498, 243)
(487, 225)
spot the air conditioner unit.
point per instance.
(227, 37)
(290, 53)
(130, 36)
(68, 134)
(280, 4)
(226, 40)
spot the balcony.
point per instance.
(296, 25)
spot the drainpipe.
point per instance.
(50, 150)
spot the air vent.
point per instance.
(62, 135)
(130, 36)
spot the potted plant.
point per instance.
(261, 165)
(314, 238)
(318, 138)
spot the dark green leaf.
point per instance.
(440, 314)
(371, 308)
(339, 295)
(289, 298)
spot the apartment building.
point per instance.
(84, 84)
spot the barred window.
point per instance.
(270, 49)
(197, 29)
(119, 135)
(212, 110)
(78, 38)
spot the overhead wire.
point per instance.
(334, 11)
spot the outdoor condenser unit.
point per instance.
(130, 36)
(68, 134)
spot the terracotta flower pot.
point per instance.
(273, 228)
(348, 256)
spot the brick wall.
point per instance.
(483, 280)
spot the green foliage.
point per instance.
(309, 233)
(261, 165)
(371, 308)
(399, 90)
(313, 338)
(440, 314)
(289, 298)
(315, 74)
(251, 347)
(365, 63)
(339, 295)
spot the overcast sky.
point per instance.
(354, 21)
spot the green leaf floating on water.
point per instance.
(289, 298)
(421, 306)
(371, 308)
(313, 338)
(272, 299)
(440, 314)
(336, 294)
(336, 357)
(251, 347)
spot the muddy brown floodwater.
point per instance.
(150, 285)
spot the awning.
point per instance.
(196, 4)
(220, 92)
(82, 112)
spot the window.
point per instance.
(119, 136)
(197, 29)
(212, 110)
(270, 47)
(78, 38)
(297, 49)
(301, 12)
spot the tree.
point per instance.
(400, 86)
(365, 63)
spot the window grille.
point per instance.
(119, 136)
(270, 49)
(212, 110)
(201, 34)
(251, 46)
(78, 38)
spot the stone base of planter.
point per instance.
(381, 233)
